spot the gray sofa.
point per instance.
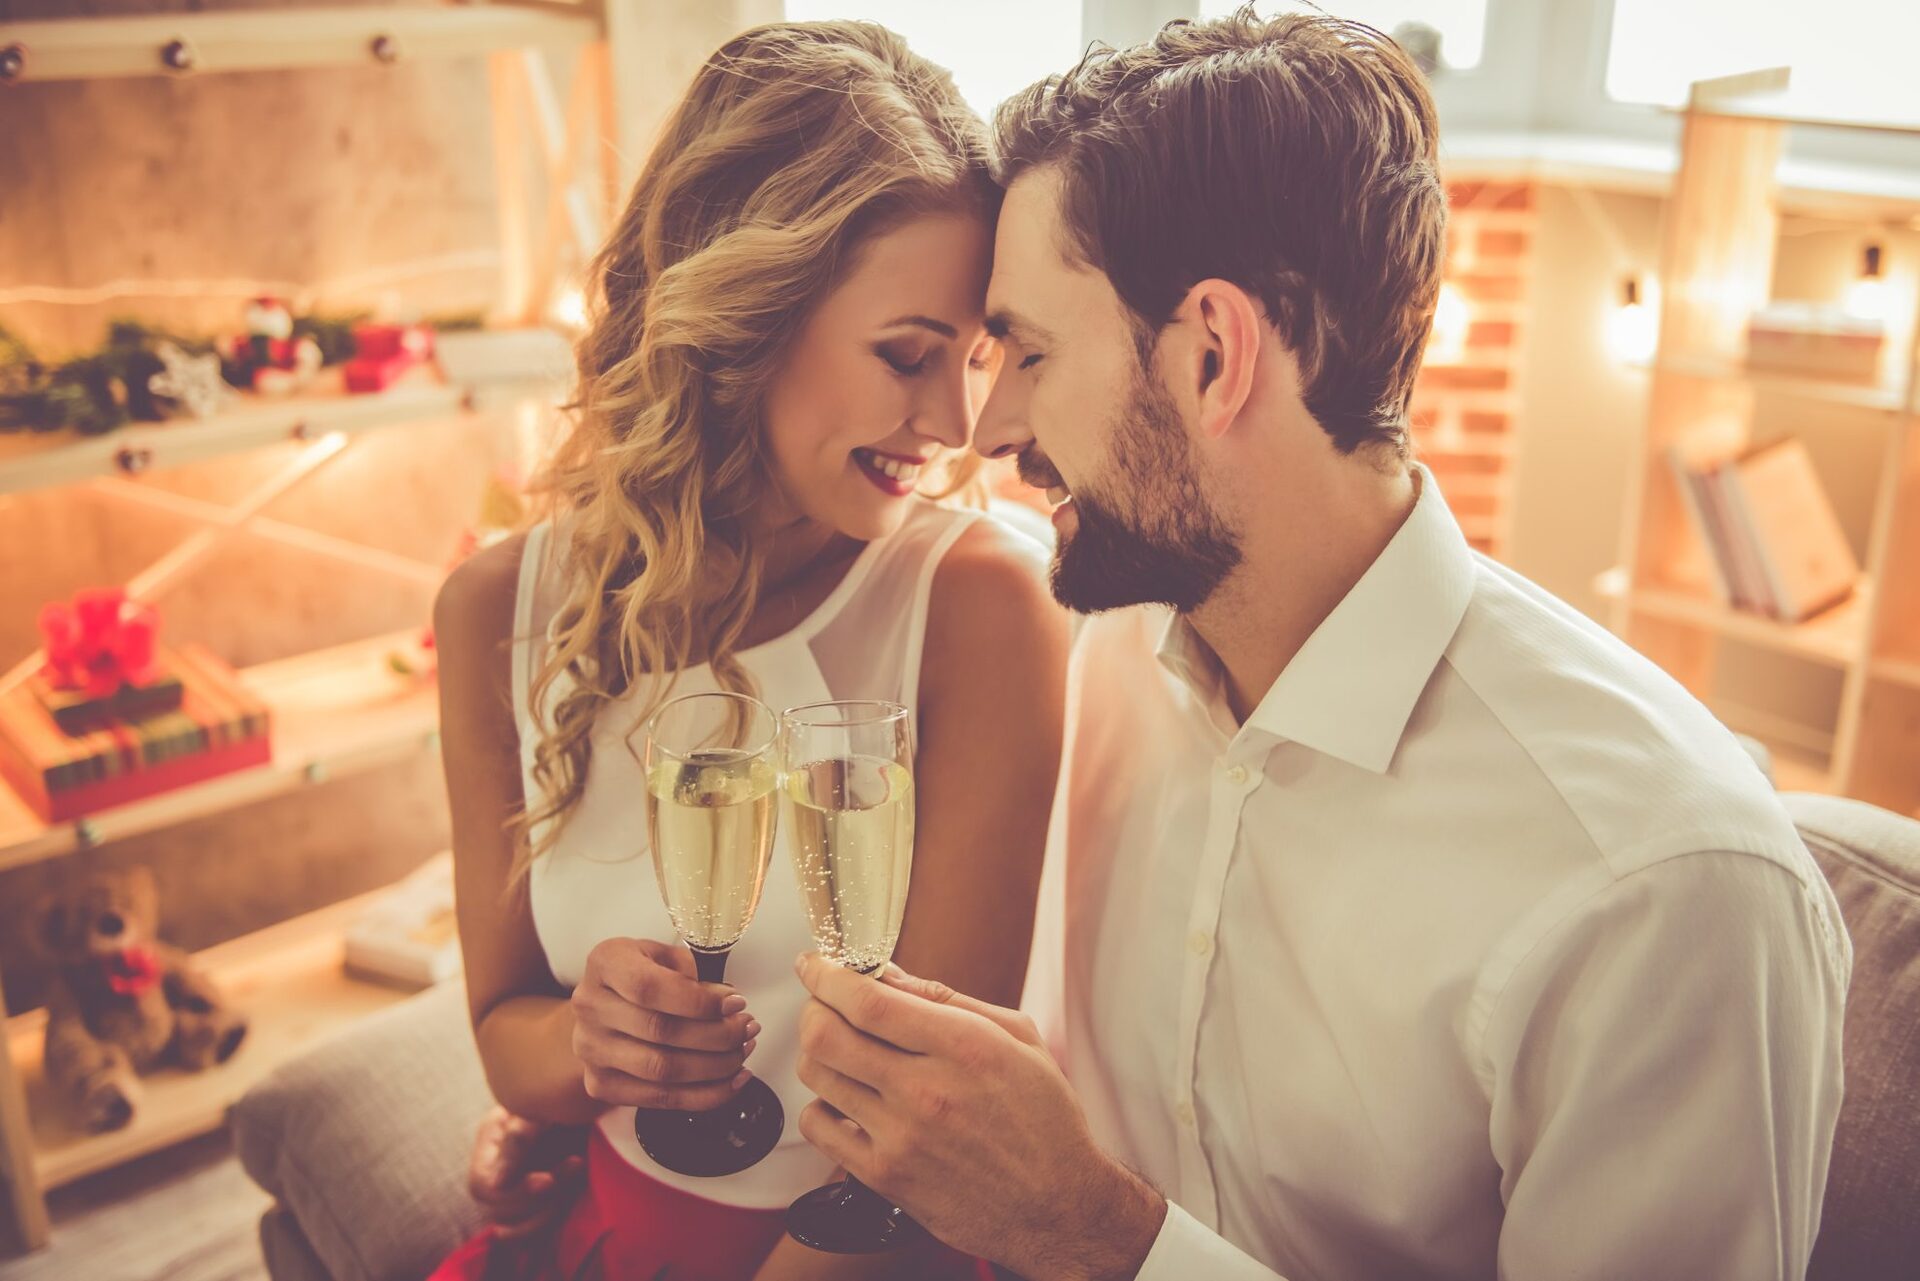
(363, 1143)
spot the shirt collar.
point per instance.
(1351, 689)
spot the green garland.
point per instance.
(96, 393)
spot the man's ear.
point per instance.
(1223, 326)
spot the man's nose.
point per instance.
(1002, 428)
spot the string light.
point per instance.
(1633, 327)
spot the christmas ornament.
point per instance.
(194, 381)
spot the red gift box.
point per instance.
(220, 726)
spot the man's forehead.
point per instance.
(1033, 276)
(1029, 232)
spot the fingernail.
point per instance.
(747, 1049)
(741, 1080)
(733, 1004)
(753, 1028)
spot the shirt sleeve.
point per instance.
(1664, 1063)
(1186, 1249)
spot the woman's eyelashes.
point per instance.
(904, 363)
(907, 364)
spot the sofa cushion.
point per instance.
(1869, 1228)
(365, 1139)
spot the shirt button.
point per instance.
(1237, 775)
(1184, 1112)
(1200, 942)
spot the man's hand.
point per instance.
(954, 1109)
(523, 1172)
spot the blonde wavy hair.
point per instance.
(795, 145)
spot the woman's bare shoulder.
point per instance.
(990, 608)
(474, 610)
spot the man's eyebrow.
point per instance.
(940, 327)
(1002, 323)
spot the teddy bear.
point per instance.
(120, 1001)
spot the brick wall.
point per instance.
(1466, 405)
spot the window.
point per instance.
(1850, 57)
(1460, 24)
(995, 48)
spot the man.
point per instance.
(1401, 923)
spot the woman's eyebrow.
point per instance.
(940, 327)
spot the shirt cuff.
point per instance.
(1186, 1249)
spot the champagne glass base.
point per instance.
(724, 1141)
(846, 1218)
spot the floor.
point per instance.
(185, 1214)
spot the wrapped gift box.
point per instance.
(218, 727)
(76, 710)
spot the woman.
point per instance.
(786, 348)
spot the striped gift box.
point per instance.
(220, 726)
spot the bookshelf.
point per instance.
(574, 89)
(1719, 260)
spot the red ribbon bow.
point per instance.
(99, 642)
(131, 971)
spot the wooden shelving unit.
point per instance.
(1722, 231)
(283, 39)
(561, 163)
(291, 979)
(336, 712)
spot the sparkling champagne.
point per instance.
(710, 822)
(852, 825)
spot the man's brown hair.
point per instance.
(1294, 157)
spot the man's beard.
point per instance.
(1173, 548)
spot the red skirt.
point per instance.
(626, 1224)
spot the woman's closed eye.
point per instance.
(906, 364)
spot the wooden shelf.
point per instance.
(1889, 400)
(1834, 638)
(302, 36)
(336, 712)
(1901, 669)
(289, 979)
(31, 461)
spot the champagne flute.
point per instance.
(711, 778)
(848, 783)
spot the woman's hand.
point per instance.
(651, 1035)
(523, 1171)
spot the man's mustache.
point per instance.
(1036, 471)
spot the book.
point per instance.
(409, 937)
(1802, 551)
(1692, 486)
(1756, 588)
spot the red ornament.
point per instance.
(99, 642)
(132, 971)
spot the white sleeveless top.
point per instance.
(597, 882)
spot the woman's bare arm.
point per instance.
(639, 1029)
(521, 1018)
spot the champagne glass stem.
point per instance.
(711, 967)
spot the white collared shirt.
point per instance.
(1479, 950)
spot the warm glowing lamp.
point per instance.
(1633, 328)
(1867, 296)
